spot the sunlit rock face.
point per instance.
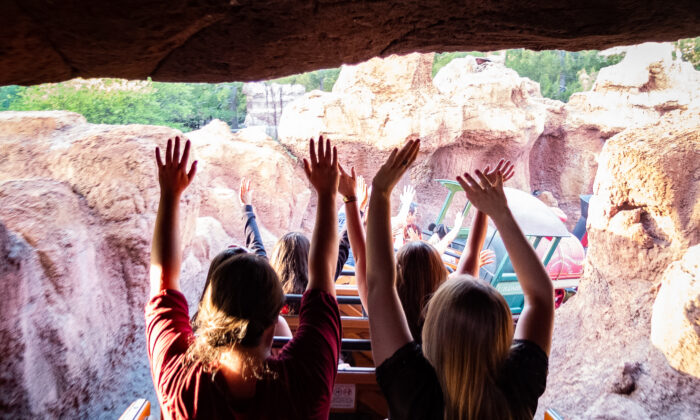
(630, 337)
(469, 116)
(77, 209)
(644, 86)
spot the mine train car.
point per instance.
(562, 253)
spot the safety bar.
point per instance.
(343, 300)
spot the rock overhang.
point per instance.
(227, 40)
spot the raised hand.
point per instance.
(487, 196)
(173, 176)
(407, 195)
(347, 185)
(322, 168)
(362, 193)
(245, 193)
(395, 166)
(504, 167)
(486, 257)
(459, 219)
(413, 234)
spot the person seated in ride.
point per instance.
(420, 269)
(290, 254)
(225, 370)
(472, 365)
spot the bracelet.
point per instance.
(351, 199)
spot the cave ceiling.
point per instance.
(240, 40)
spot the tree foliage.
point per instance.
(320, 79)
(185, 106)
(557, 71)
(442, 59)
(690, 51)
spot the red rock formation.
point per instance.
(469, 116)
(225, 40)
(643, 233)
(647, 84)
(77, 208)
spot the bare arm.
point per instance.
(406, 199)
(388, 327)
(166, 251)
(354, 190)
(322, 172)
(537, 319)
(445, 242)
(470, 261)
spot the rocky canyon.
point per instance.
(78, 202)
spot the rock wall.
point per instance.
(647, 84)
(77, 208)
(223, 41)
(265, 102)
(470, 115)
(627, 345)
(473, 113)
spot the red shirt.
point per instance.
(306, 367)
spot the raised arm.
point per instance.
(354, 191)
(445, 242)
(253, 240)
(406, 199)
(470, 261)
(322, 172)
(388, 327)
(166, 251)
(537, 319)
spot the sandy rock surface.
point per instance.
(623, 347)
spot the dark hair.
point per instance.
(290, 259)
(242, 298)
(412, 208)
(441, 230)
(431, 227)
(419, 273)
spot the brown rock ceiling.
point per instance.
(226, 40)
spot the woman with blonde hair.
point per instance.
(472, 365)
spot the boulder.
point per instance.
(675, 319)
(631, 330)
(72, 318)
(639, 90)
(222, 41)
(470, 115)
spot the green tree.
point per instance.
(557, 71)
(185, 106)
(690, 51)
(442, 59)
(320, 79)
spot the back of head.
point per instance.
(290, 259)
(467, 337)
(242, 298)
(419, 273)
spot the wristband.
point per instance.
(347, 200)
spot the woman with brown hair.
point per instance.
(226, 371)
(472, 365)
